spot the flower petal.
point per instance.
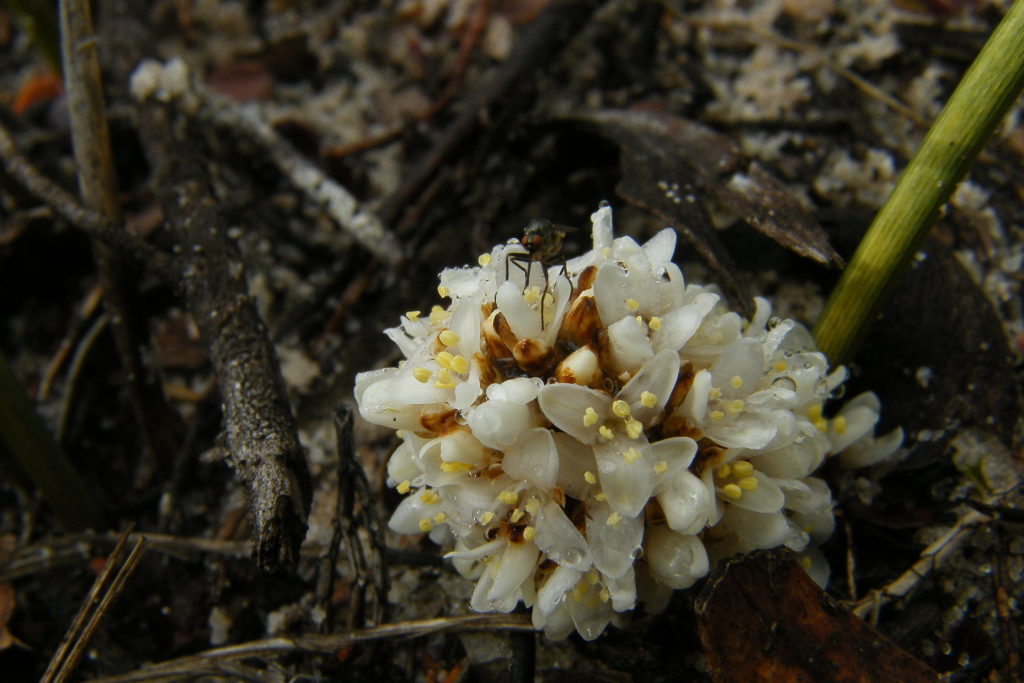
(560, 540)
(685, 503)
(657, 376)
(629, 346)
(627, 482)
(517, 562)
(675, 559)
(766, 498)
(679, 325)
(566, 404)
(533, 457)
(521, 318)
(558, 584)
(614, 546)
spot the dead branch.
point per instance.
(261, 432)
(202, 663)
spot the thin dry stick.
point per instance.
(127, 569)
(194, 665)
(83, 611)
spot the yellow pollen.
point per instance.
(440, 517)
(734, 406)
(714, 393)
(660, 466)
(486, 517)
(632, 455)
(442, 291)
(780, 366)
(822, 424)
(655, 323)
(632, 304)
(508, 497)
(605, 432)
(484, 259)
(648, 400)
(438, 315)
(593, 577)
(805, 562)
(839, 424)
(613, 519)
(620, 408)
(600, 497)
(531, 295)
(640, 321)
(742, 468)
(399, 434)
(403, 487)
(589, 477)
(814, 413)
(425, 524)
(736, 381)
(589, 417)
(733, 491)
(421, 374)
(748, 484)
(429, 497)
(448, 338)
(604, 595)
(444, 379)
(634, 428)
(444, 359)
(717, 414)
(460, 365)
(413, 316)
(455, 467)
(516, 515)
(532, 506)
(529, 532)
(724, 471)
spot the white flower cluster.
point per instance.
(601, 436)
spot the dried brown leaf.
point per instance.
(762, 618)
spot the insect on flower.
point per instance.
(542, 240)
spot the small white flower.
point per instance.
(551, 420)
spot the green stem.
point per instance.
(25, 436)
(987, 90)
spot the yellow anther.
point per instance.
(399, 434)
(529, 532)
(444, 359)
(444, 379)
(655, 323)
(814, 413)
(717, 414)
(748, 484)
(734, 406)
(733, 491)
(425, 524)
(531, 295)
(640, 321)
(455, 467)
(822, 424)
(600, 497)
(421, 374)
(593, 577)
(413, 316)
(660, 466)
(634, 428)
(516, 515)
(604, 595)
(484, 259)
(494, 568)
(780, 366)
(714, 393)
(487, 517)
(440, 517)
(532, 505)
(437, 315)
(448, 338)
(589, 417)
(631, 455)
(742, 468)
(839, 424)
(460, 365)
(403, 487)
(805, 562)
(442, 291)
(620, 408)
(648, 400)
(736, 381)
(604, 252)
(589, 477)
(508, 497)
(613, 519)
(724, 471)
(632, 304)
(605, 432)
(429, 497)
